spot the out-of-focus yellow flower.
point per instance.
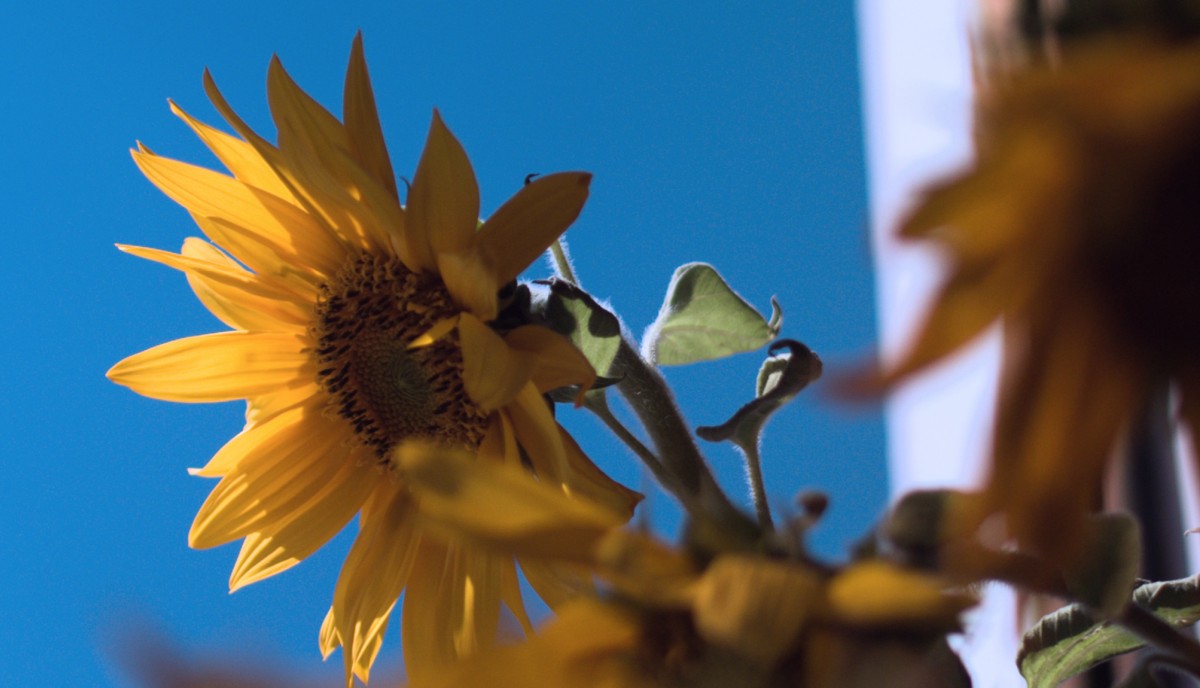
(1077, 228)
(360, 325)
(667, 620)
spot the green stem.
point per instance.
(692, 482)
(758, 490)
(562, 264)
(598, 405)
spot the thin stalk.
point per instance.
(562, 264)
(651, 400)
(598, 405)
(758, 490)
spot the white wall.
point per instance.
(916, 103)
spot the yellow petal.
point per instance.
(557, 363)
(261, 436)
(510, 594)
(288, 229)
(427, 634)
(755, 606)
(493, 373)
(1059, 417)
(538, 433)
(469, 281)
(557, 582)
(377, 569)
(267, 553)
(525, 226)
(876, 594)
(501, 507)
(316, 146)
(440, 329)
(237, 156)
(588, 645)
(328, 639)
(294, 472)
(592, 483)
(217, 367)
(318, 194)
(367, 144)
(233, 307)
(241, 299)
(443, 203)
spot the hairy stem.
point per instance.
(758, 490)
(651, 400)
(562, 264)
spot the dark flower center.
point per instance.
(366, 318)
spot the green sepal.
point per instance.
(573, 313)
(920, 524)
(780, 379)
(1106, 568)
(703, 319)
(1071, 640)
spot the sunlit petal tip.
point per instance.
(434, 334)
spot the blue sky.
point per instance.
(715, 134)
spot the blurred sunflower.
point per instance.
(360, 325)
(671, 619)
(1077, 228)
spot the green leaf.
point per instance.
(573, 313)
(703, 319)
(1070, 640)
(780, 379)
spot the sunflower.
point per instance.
(1076, 228)
(360, 325)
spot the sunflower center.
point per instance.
(366, 318)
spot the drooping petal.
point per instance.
(427, 629)
(377, 569)
(367, 144)
(1062, 401)
(510, 594)
(557, 363)
(557, 582)
(443, 204)
(588, 645)
(277, 549)
(501, 507)
(217, 367)
(493, 373)
(525, 226)
(592, 483)
(539, 434)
